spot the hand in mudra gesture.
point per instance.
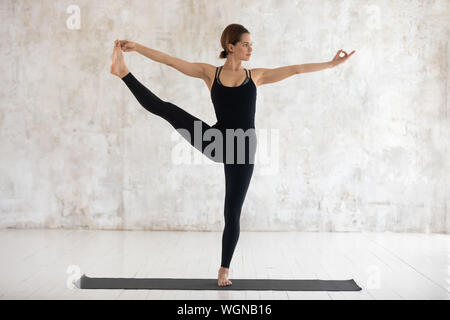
(338, 59)
(127, 46)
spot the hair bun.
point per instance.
(223, 54)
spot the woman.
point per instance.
(233, 93)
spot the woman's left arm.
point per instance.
(278, 74)
(337, 60)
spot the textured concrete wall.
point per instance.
(364, 146)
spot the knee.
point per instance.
(232, 218)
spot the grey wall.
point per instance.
(361, 147)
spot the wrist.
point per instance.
(138, 47)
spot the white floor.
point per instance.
(35, 264)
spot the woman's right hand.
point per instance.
(128, 46)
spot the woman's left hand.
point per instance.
(337, 60)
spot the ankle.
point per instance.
(123, 74)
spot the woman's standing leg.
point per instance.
(237, 181)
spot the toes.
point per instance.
(222, 283)
(225, 283)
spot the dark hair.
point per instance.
(231, 34)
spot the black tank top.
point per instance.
(234, 106)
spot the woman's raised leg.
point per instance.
(181, 120)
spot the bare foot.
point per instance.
(118, 66)
(223, 277)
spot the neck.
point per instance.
(232, 64)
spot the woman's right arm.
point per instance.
(192, 69)
(155, 55)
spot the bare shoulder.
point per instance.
(256, 75)
(209, 70)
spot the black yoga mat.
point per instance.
(211, 284)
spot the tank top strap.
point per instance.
(250, 71)
(218, 70)
(247, 78)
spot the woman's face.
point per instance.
(243, 49)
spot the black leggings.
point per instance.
(237, 175)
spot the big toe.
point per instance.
(118, 57)
(114, 54)
(116, 49)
